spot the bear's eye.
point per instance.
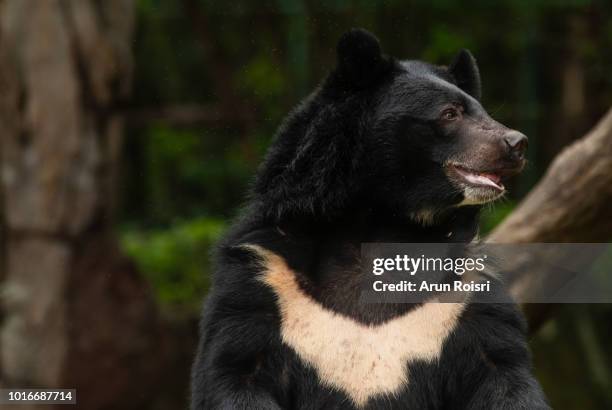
(450, 114)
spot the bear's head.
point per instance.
(406, 138)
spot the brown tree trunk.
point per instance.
(76, 314)
(572, 203)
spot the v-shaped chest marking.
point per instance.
(362, 361)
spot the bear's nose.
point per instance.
(516, 143)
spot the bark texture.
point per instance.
(75, 313)
(572, 203)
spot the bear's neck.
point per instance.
(454, 225)
(325, 256)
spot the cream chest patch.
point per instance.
(362, 361)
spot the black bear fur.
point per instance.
(362, 160)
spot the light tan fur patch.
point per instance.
(362, 361)
(425, 217)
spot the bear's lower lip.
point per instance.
(478, 178)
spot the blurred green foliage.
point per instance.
(176, 260)
(244, 64)
(493, 214)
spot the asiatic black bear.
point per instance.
(383, 151)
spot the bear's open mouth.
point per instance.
(478, 178)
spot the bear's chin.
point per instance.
(478, 195)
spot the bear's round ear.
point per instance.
(359, 57)
(465, 72)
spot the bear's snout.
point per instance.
(516, 144)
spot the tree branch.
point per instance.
(570, 204)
